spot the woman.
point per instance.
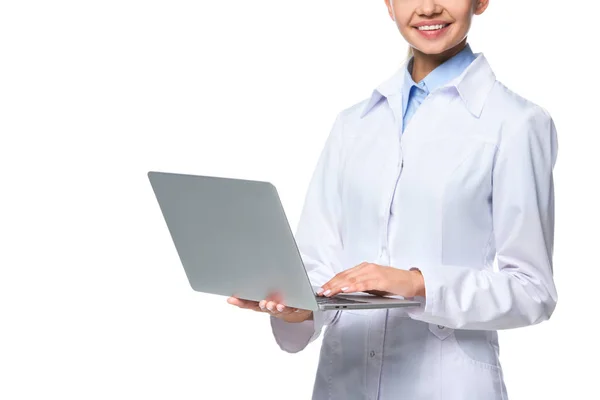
(419, 190)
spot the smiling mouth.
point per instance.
(429, 28)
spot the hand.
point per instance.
(376, 279)
(288, 314)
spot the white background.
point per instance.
(94, 303)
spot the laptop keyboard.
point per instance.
(336, 300)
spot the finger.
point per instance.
(233, 300)
(248, 304)
(362, 286)
(364, 271)
(358, 283)
(340, 277)
(337, 277)
(272, 307)
(238, 302)
(263, 305)
(285, 310)
(368, 271)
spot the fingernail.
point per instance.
(261, 306)
(327, 292)
(320, 291)
(344, 289)
(280, 307)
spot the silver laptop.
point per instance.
(233, 239)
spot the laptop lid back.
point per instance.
(233, 237)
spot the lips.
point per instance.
(435, 33)
(432, 22)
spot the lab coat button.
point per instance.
(440, 327)
(372, 354)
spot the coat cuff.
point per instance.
(433, 287)
(293, 337)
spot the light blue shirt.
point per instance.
(414, 93)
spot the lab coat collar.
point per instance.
(473, 86)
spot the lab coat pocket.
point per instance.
(469, 346)
(467, 360)
(475, 347)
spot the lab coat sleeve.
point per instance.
(319, 241)
(522, 291)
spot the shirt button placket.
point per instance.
(375, 352)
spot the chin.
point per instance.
(433, 49)
(430, 50)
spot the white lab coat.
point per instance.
(470, 185)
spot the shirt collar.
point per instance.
(472, 84)
(449, 69)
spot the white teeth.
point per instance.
(430, 27)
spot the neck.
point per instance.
(423, 63)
